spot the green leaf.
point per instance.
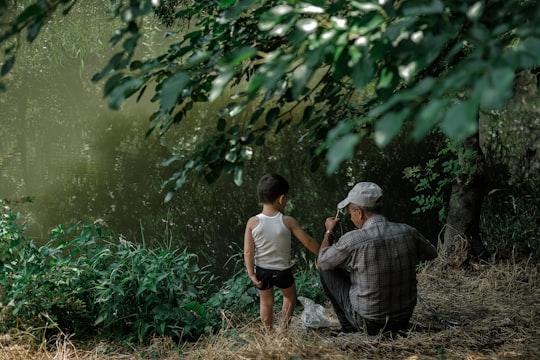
(389, 126)
(113, 63)
(271, 116)
(309, 8)
(111, 83)
(220, 82)
(100, 319)
(388, 79)
(480, 33)
(236, 57)
(135, 65)
(246, 153)
(366, 6)
(408, 96)
(341, 150)
(124, 89)
(307, 25)
(297, 37)
(475, 11)
(494, 89)
(274, 73)
(171, 90)
(300, 77)
(530, 51)
(130, 44)
(8, 65)
(422, 7)
(461, 120)
(238, 175)
(255, 84)
(33, 29)
(362, 73)
(221, 124)
(237, 109)
(281, 10)
(370, 22)
(267, 21)
(197, 58)
(256, 115)
(314, 57)
(429, 116)
(29, 12)
(226, 3)
(283, 28)
(245, 299)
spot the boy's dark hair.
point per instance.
(272, 186)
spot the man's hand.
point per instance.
(331, 223)
(329, 235)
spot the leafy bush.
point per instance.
(237, 296)
(433, 181)
(145, 291)
(92, 282)
(37, 283)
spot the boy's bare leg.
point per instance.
(267, 308)
(289, 302)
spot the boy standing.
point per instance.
(267, 249)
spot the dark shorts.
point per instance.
(283, 279)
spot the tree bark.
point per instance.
(462, 241)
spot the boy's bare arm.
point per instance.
(249, 251)
(307, 240)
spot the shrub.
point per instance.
(40, 287)
(145, 291)
(237, 296)
(85, 280)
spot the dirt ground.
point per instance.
(489, 311)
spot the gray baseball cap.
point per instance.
(364, 194)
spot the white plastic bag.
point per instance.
(314, 315)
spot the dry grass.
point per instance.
(497, 306)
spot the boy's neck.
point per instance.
(270, 210)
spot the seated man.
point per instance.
(369, 274)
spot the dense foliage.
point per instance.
(331, 69)
(90, 283)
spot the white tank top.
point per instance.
(272, 243)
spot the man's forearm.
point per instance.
(328, 239)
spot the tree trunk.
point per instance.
(462, 240)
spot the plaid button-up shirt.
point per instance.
(382, 259)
